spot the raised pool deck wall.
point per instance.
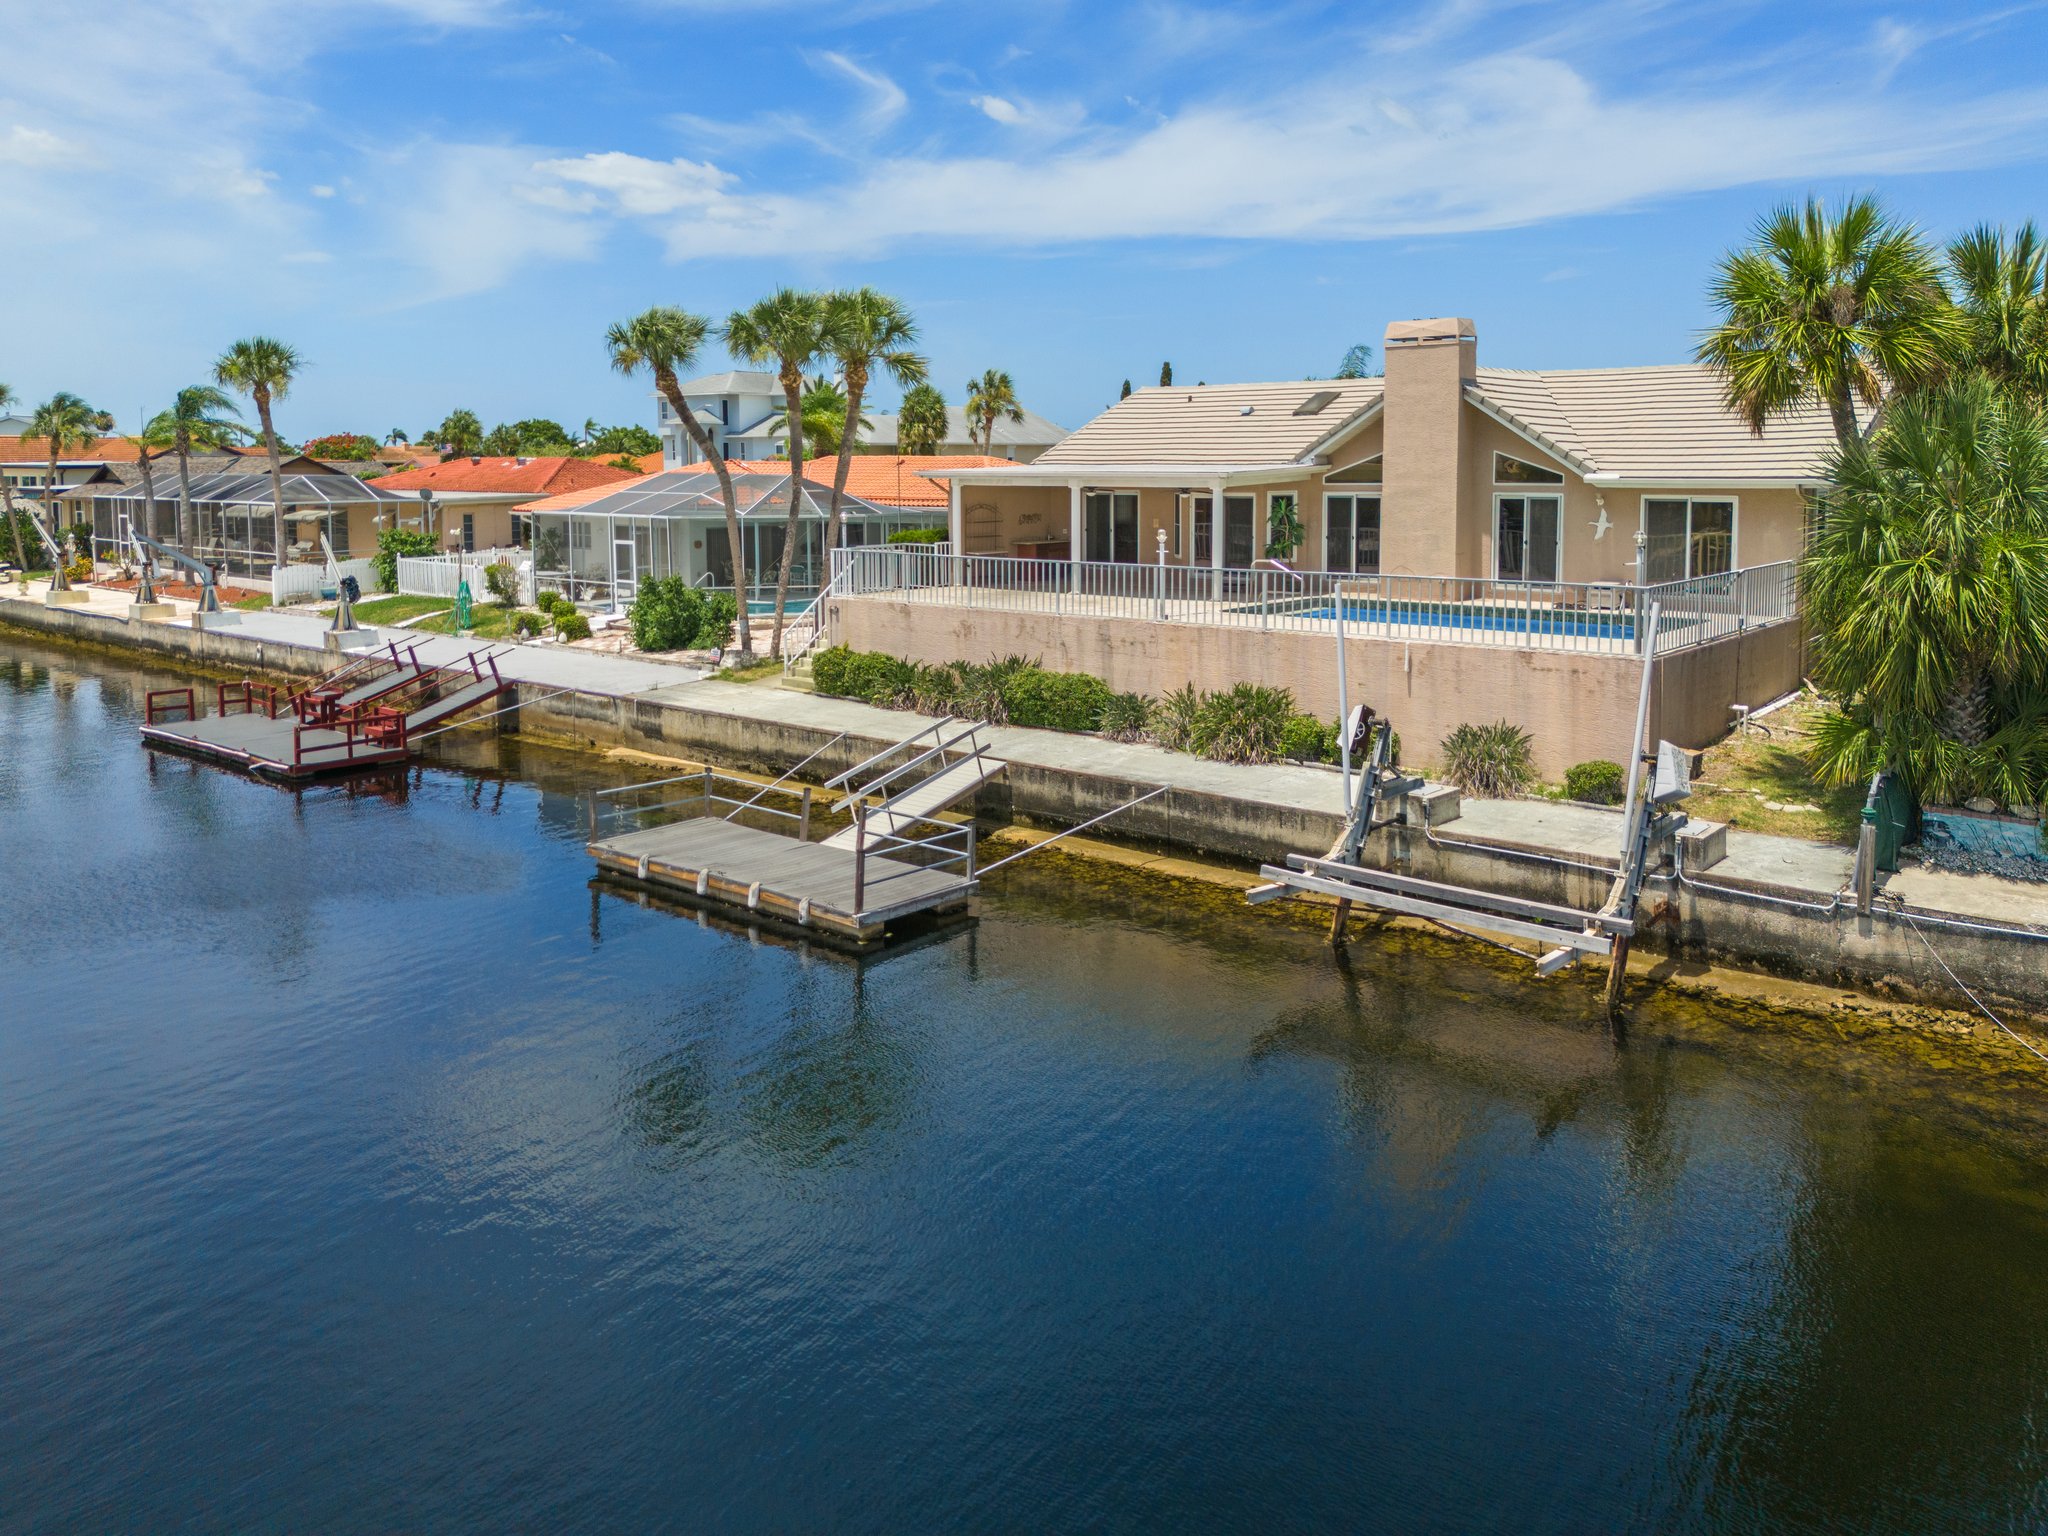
(1576, 706)
(1793, 926)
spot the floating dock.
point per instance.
(368, 713)
(894, 862)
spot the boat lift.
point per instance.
(1564, 935)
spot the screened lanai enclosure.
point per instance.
(234, 517)
(673, 524)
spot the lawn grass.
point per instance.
(256, 602)
(1759, 780)
(760, 671)
(393, 609)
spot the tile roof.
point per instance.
(1666, 422)
(513, 476)
(887, 479)
(1216, 423)
(112, 449)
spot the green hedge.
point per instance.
(918, 536)
(1598, 782)
(393, 542)
(1057, 701)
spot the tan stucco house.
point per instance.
(1441, 468)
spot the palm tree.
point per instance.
(922, 420)
(460, 434)
(200, 416)
(65, 423)
(1928, 591)
(395, 436)
(865, 330)
(824, 417)
(665, 341)
(788, 329)
(991, 398)
(1841, 306)
(263, 368)
(2000, 286)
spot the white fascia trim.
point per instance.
(1529, 434)
(1171, 476)
(1708, 483)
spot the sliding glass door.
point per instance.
(1112, 526)
(1687, 538)
(1351, 534)
(1527, 537)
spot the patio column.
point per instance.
(1077, 530)
(1216, 540)
(956, 530)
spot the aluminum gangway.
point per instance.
(915, 778)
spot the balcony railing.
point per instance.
(1603, 618)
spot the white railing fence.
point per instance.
(440, 575)
(1603, 618)
(314, 579)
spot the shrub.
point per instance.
(936, 689)
(81, 539)
(666, 614)
(1491, 761)
(526, 624)
(549, 602)
(79, 569)
(1059, 701)
(877, 677)
(571, 625)
(829, 668)
(721, 612)
(918, 536)
(1173, 718)
(393, 542)
(1598, 782)
(501, 578)
(1125, 716)
(1308, 740)
(1243, 724)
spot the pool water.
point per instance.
(368, 1168)
(1512, 621)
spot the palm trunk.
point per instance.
(665, 381)
(1842, 408)
(276, 477)
(59, 582)
(13, 522)
(148, 493)
(792, 393)
(188, 518)
(856, 386)
(1965, 716)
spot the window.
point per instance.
(1201, 506)
(1369, 473)
(1527, 531)
(1512, 471)
(1351, 534)
(469, 533)
(1112, 518)
(1687, 537)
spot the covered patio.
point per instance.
(234, 514)
(598, 546)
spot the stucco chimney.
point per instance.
(1428, 364)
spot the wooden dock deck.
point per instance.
(810, 884)
(275, 748)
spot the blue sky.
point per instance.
(444, 202)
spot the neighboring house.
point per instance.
(14, 426)
(25, 463)
(474, 497)
(604, 541)
(1492, 541)
(1441, 468)
(740, 412)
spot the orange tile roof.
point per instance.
(887, 479)
(650, 463)
(111, 450)
(530, 477)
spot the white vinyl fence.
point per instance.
(294, 583)
(439, 575)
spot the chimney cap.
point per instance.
(1412, 332)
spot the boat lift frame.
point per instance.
(1566, 934)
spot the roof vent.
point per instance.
(522, 461)
(1246, 411)
(476, 458)
(1315, 402)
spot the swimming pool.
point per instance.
(1512, 621)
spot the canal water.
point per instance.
(362, 1168)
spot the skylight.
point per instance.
(1315, 402)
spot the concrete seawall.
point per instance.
(1742, 923)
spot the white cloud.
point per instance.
(1505, 141)
(634, 186)
(886, 100)
(321, 189)
(999, 109)
(23, 145)
(476, 213)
